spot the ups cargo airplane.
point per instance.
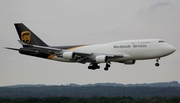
(127, 51)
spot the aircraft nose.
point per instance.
(171, 49)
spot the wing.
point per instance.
(81, 57)
(95, 57)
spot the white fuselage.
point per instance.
(131, 49)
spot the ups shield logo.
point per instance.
(26, 36)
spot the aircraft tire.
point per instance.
(157, 64)
(98, 67)
(106, 68)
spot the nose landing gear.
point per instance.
(157, 64)
(107, 66)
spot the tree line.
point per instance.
(86, 92)
(123, 99)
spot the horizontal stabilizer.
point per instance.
(11, 48)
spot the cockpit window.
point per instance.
(161, 41)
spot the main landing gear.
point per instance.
(95, 66)
(157, 64)
(107, 66)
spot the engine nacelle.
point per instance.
(129, 62)
(68, 55)
(101, 59)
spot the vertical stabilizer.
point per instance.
(27, 36)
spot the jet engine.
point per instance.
(68, 55)
(101, 59)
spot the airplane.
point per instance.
(126, 51)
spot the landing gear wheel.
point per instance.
(157, 64)
(106, 68)
(98, 67)
(89, 67)
(93, 66)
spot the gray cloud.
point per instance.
(160, 4)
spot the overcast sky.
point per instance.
(70, 22)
